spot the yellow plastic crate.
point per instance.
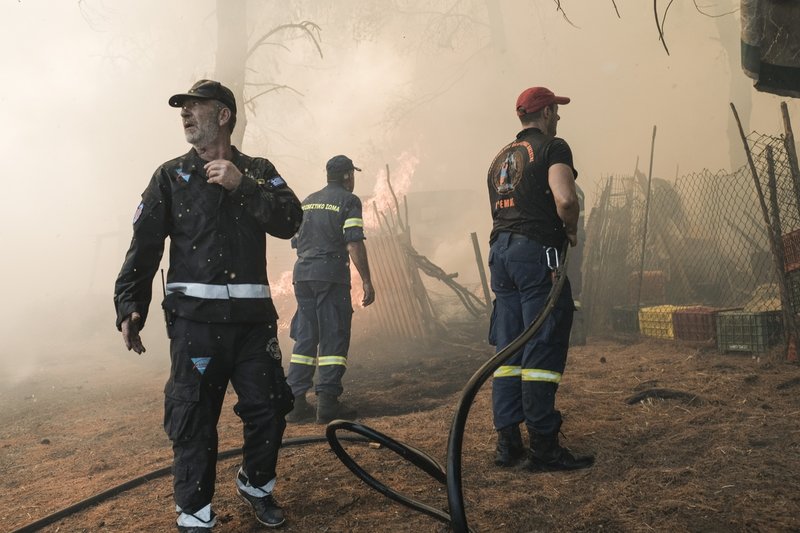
(657, 321)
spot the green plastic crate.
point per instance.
(741, 331)
(625, 319)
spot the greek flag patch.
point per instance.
(200, 363)
(276, 182)
(138, 212)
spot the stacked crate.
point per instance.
(743, 331)
(697, 323)
(656, 321)
(625, 319)
(791, 251)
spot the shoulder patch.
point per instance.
(138, 212)
(508, 167)
(276, 182)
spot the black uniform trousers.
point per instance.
(205, 357)
(321, 330)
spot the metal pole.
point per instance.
(775, 247)
(646, 216)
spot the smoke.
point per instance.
(428, 90)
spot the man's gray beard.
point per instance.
(203, 135)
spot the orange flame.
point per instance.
(382, 196)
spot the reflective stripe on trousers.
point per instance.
(528, 374)
(324, 360)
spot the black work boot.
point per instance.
(330, 408)
(302, 412)
(547, 455)
(509, 448)
(266, 509)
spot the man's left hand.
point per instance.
(224, 173)
(572, 237)
(369, 294)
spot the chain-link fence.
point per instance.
(694, 250)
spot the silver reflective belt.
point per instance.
(220, 292)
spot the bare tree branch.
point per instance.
(664, 17)
(658, 25)
(307, 27)
(445, 15)
(87, 14)
(563, 13)
(444, 87)
(279, 45)
(275, 87)
(710, 15)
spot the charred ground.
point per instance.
(723, 457)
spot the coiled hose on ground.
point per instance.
(457, 518)
(451, 477)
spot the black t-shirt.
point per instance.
(519, 192)
(331, 219)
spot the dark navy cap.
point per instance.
(207, 90)
(339, 164)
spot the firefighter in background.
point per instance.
(216, 205)
(534, 214)
(331, 234)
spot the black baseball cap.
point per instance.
(208, 90)
(339, 164)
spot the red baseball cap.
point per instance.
(536, 98)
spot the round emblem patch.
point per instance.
(508, 167)
(274, 349)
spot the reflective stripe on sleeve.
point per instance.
(353, 223)
(302, 359)
(536, 374)
(208, 291)
(508, 372)
(328, 360)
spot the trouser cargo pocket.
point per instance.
(181, 410)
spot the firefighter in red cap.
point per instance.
(535, 212)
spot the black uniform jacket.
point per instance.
(217, 263)
(331, 219)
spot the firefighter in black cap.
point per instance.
(215, 204)
(331, 234)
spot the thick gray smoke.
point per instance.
(85, 98)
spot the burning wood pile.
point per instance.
(403, 307)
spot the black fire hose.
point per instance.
(141, 480)
(457, 518)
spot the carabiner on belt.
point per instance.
(552, 258)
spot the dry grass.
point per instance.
(724, 458)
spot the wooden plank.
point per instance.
(388, 288)
(396, 310)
